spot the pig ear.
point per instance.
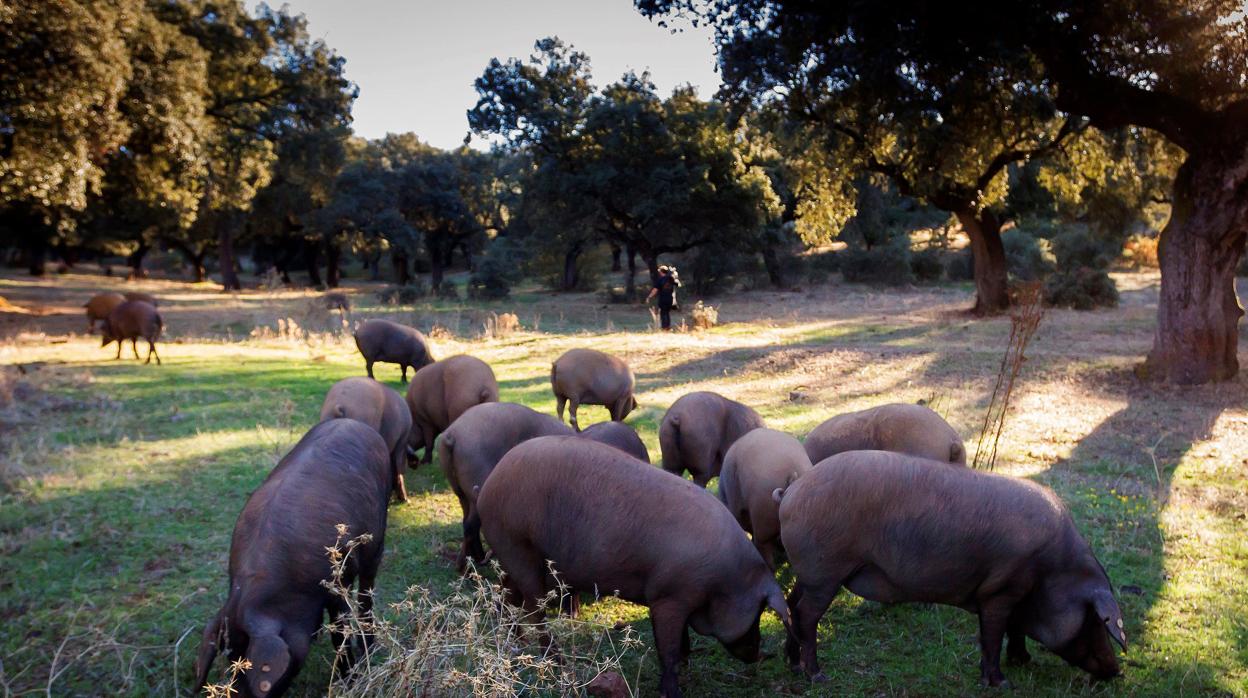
(775, 599)
(778, 494)
(1107, 610)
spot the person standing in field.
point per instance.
(665, 289)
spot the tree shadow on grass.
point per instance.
(1118, 483)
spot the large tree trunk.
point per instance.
(135, 260)
(992, 294)
(225, 255)
(1198, 312)
(36, 255)
(771, 262)
(402, 270)
(333, 275)
(312, 261)
(616, 252)
(630, 284)
(435, 268)
(571, 272)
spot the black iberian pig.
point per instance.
(610, 523)
(471, 447)
(892, 528)
(131, 320)
(754, 467)
(366, 400)
(590, 377)
(899, 427)
(338, 474)
(440, 392)
(100, 305)
(697, 431)
(619, 435)
(390, 342)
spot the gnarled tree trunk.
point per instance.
(333, 275)
(312, 261)
(225, 255)
(630, 284)
(402, 269)
(1198, 312)
(992, 293)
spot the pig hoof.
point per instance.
(819, 677)
(1001, 683)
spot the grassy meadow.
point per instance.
(120, 482)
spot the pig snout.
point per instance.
(747, 647)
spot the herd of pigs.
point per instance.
(879, 502)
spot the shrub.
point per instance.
(1025, 256)
(927, 265)
(1082, 288)
(497, 270)
(447, 291)
(1141, 252)
(403, 295)
(888, 264)
(1078, 247)
(704, 316)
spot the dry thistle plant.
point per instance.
(1025, 317)
(704, 316)
(470, 642)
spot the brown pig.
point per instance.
(440, 392)
(590, 377)
(892, 528)
(337, 475)
(390, 342)
(697, 431)
(605, 521)
(754, 467)
(471, 447)
(100, 305)
(366, 400)
(619, 435)
(140, 296)
(131, 320)
(903, 428)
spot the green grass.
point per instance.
(122, 483)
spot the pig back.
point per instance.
(338, 473)
(620, 436)
(936, 532)
(360, 398)
(610, 522)
(133, 319)
(479, 439)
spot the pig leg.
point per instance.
(561, 401)
(808, 604)
(403, 375)
(669, 621)
(426, 432)
(1016, 650)
(472, 539)
(134, 347)
(119, 346)
(344, 653)
(573, 403)
(400, 488)
(994, 615)
(368, 366)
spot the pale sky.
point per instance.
(415, 61)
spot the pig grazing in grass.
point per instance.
(365, 400)
(608, 522)
(697, 431)
(100, 305)
(473, 445)
(590, 377)
(619, 435)
(132, 320)
(754, 467)
(390, 342)
(893, 528)
(902, 428)
(337, 475)
(440, 392)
